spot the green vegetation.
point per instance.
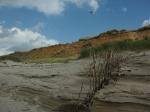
(85, 52)
(132, 45)
(9, 57)
(111, 32)
(86, 38)
(38, 61)
(51, 60)
(83, 39)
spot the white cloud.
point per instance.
(5, 51)
(124, 9)
(146, 22)
(15, 39)
(94, 5)
(49, 7)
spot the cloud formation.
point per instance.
(49, 7)
(146, 22)
(94, 5)
(15, 39)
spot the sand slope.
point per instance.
(43, 87)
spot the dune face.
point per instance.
(45, 87)
(73, 49)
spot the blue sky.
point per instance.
(47, 22)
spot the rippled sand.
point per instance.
(44, 87)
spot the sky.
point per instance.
(28, 24)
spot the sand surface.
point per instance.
(43, 87)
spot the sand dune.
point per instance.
(43, 87)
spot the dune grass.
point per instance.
(131, 45)
(9, 57)
(51, 60)
(39, 60)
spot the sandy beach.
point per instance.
(44, 87)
